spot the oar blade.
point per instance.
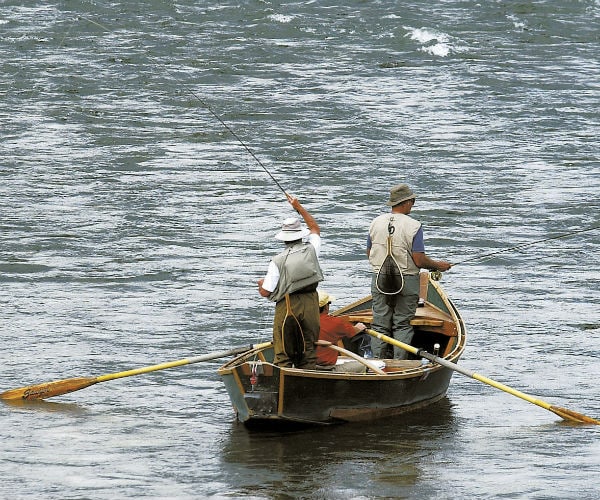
(573, 416)
(48, 389)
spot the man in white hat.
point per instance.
(392, 312)
(295, 272)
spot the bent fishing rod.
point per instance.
(436, 275)
(523, 245)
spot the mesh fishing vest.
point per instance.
(405, 230)
(298, 268)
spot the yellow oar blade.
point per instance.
(48, 389)
(573, 416)
(570, 415)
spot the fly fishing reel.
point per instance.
(435, 275)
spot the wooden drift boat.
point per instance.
(263, 393)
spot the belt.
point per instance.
(306, 289)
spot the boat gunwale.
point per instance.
(415, 372)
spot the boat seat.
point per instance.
(355, 318)
(422, 321)
(427, 322)
(398, 365)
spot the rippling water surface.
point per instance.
(134, 226)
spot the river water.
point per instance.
(134, 226)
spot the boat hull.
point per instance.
(300, 396)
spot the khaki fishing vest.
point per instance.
(405, 230)
(298, 268)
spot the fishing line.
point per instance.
(523, 245)
(22, 66)
(93, 22)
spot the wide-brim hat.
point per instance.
(400, 193)
(292, 230)
(324, 298)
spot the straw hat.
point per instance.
(324, 298)
(292, 230)
(400, 193)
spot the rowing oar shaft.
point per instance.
(350, 354)
(59, 387)
(570, 415)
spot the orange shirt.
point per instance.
(332, 330)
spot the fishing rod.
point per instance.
(232, 132)
(212, 112)
(437, 275)
(523, 245)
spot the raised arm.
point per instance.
(311, 223)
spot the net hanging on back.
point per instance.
(292, 335)
(389, 279)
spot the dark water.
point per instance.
(134, 226)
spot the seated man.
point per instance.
(332, 330)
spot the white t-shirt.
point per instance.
(272, 277)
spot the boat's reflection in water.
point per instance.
(343, 460)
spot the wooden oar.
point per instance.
(565, 414)
(59, 387)
(350, 354)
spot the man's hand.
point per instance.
(294, 202)
(261, 290)
(442, 265)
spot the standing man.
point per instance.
(295, 272)
(392, 313)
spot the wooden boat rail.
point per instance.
(265, 368)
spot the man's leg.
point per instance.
(404, 311)
(281, 358)
(382, 320)
(306, 309)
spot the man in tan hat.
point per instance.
(392, 311)
(334, 329)
(295, 272)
